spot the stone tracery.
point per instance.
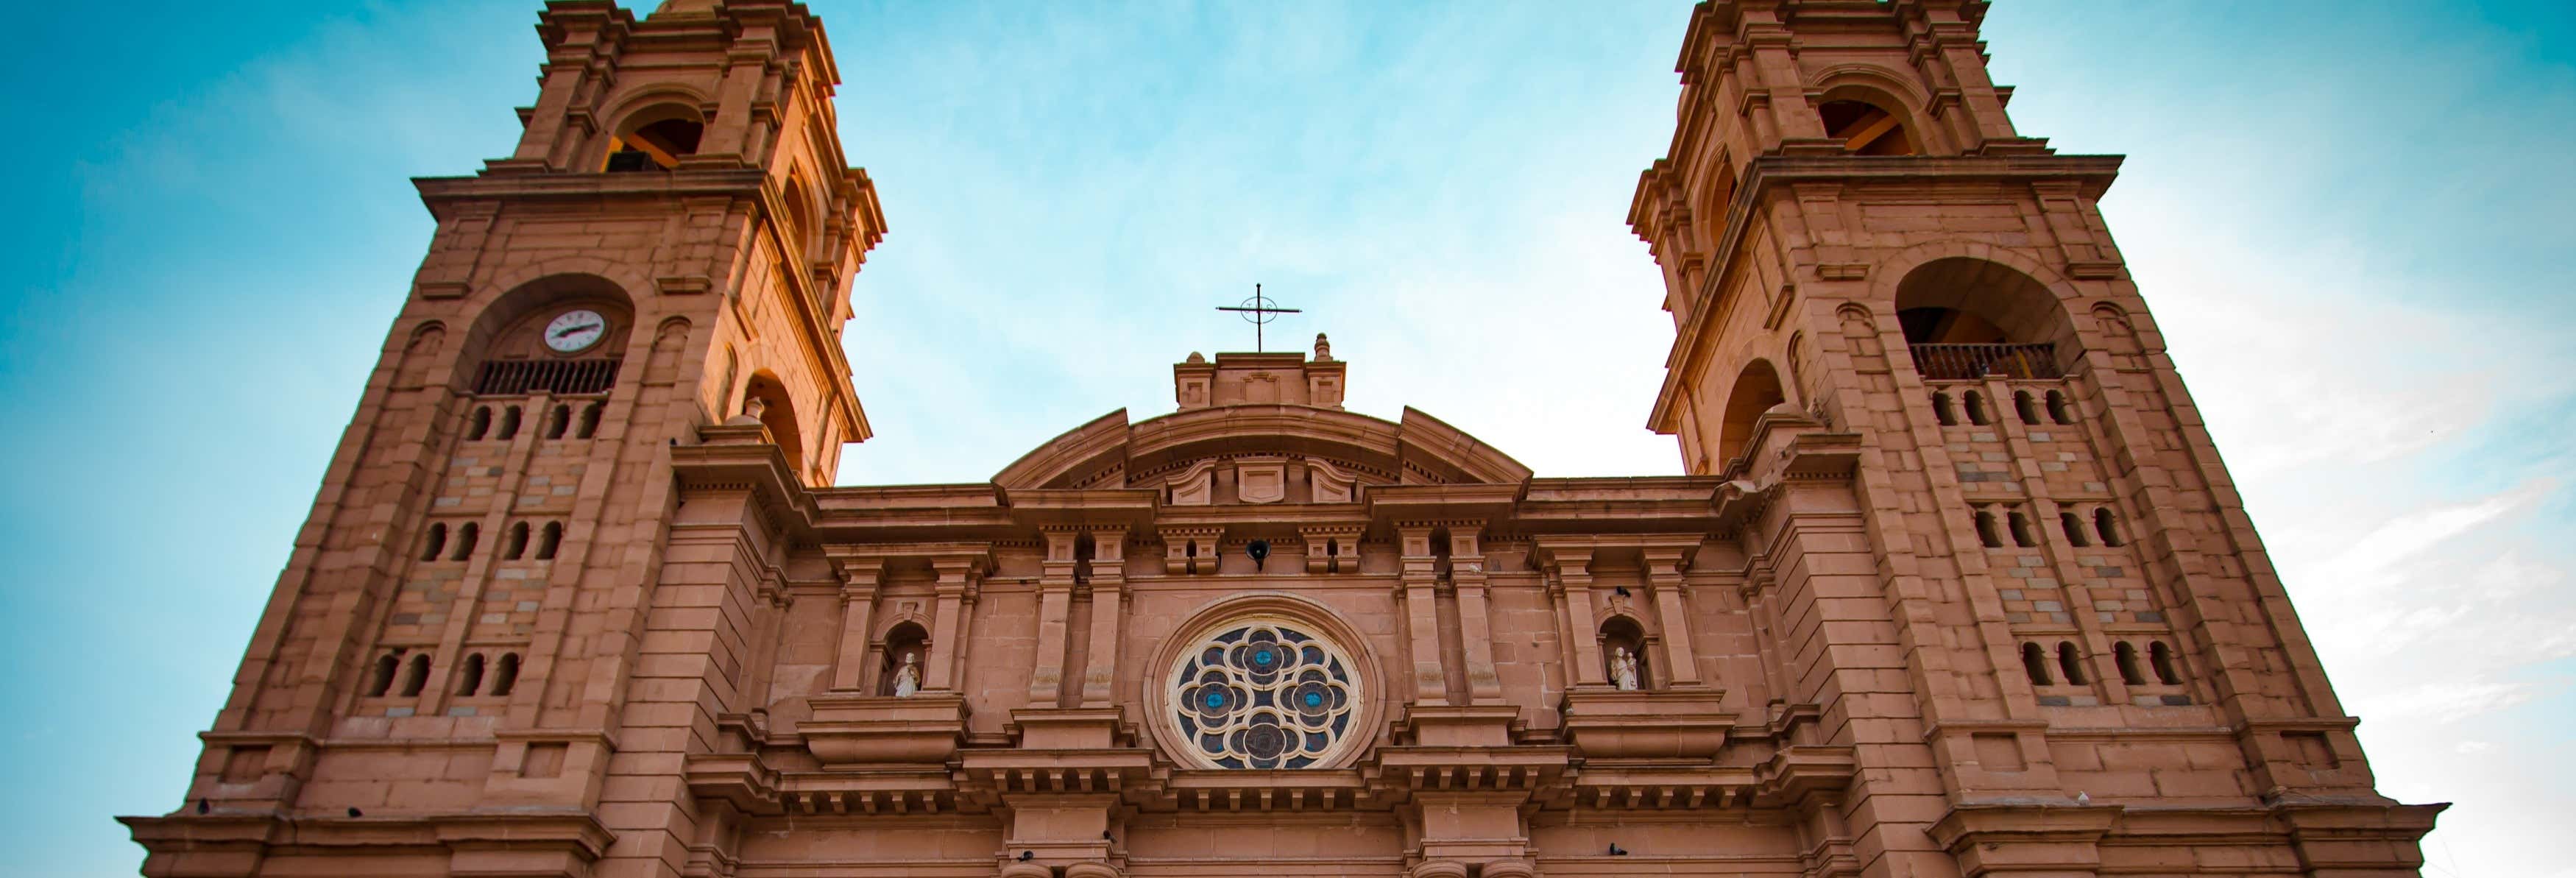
(1263, 692)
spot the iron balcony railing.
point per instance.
(561, 377)
(1967, 362)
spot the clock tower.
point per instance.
(459, 651)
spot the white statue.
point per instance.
(1623, 668)
(907, 679)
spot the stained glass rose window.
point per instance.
(1264, 693)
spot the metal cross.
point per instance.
(1258, 311)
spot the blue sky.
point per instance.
(2350, 218)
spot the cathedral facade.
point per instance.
(1956, 584)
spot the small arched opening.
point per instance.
(469, 680)
(1987, 534)
(509, 424)
(2074, 528)
(415, 674)
(1975, 403)
(558, 421)
(2106, 526)
(1941, 409)
(2027, 407)
(2034, 661)
(480, 425)
(505, 674)
(589, 421)
(2161, 658)
(2125, 655)
(1623, 654)
(2059, 410)
(907, 660)
(2071, 662)
(655, 139)
(517, 546)
(1965, 318)
(435, 542)
(381, 682)
(2022, 533)
(1756, 390)
(549, 540)
(466, 536)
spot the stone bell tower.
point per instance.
(1981, 520)
(464, 654)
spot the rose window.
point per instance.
(1264, 694)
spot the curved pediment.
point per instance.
(1261, 454)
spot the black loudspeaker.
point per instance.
(1259, 550)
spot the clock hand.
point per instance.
(586, 327)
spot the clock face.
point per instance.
(575, 330)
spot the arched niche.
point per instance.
(1964, 317)
(776, 411)
(907, 643)
(1755, 391)
(1619, 634)
(654, 137)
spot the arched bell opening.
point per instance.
(655, 138)
(1867, 124)
(1966, 318)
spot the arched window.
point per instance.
(1865, 128)
(589, 422)
(2034, 661)
(480, 424)
(2126, 656)
(505, 674)
(383, 680)
(517, 547)
(435, 543)
(2021, 531)
(2104, 525)
(549, 540)
(415, 674)
(558, 420)
(655, 139)
(2161, 658)
(2026, 406)
(471, 678)
(465, 539)
(1976, 405)
(2069, 661)
(509, 424)
(1756, 390)
(1986, 532)
(2059, 410)
(1941, 409)
(905, 644)
(1623, 654)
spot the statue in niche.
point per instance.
(1623, 669)
(907, 679)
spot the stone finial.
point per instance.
(752, 409)
(1323, 347)
(1195, 357)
